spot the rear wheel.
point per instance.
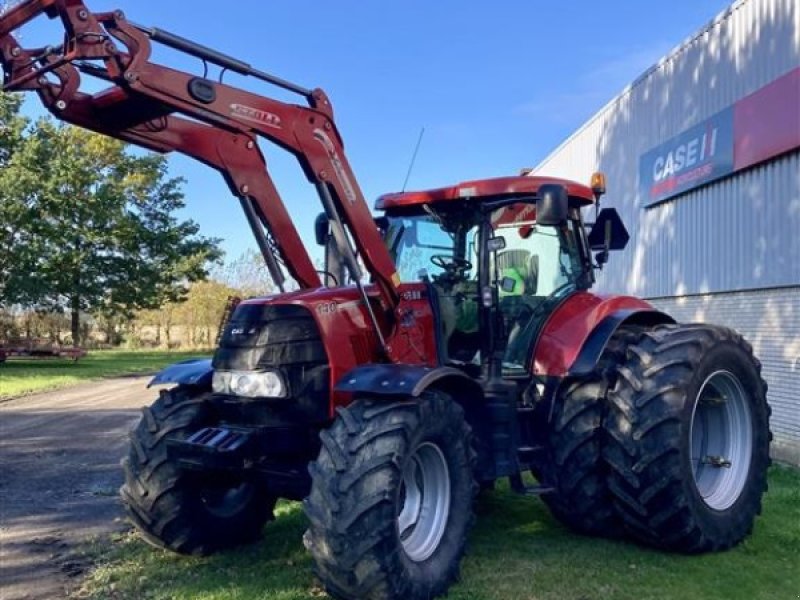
(580, 499)
(575, 468)
(182, 511)
(689, 438)
(391, 499)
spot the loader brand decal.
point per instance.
(248, 113)
(341, 175)
(696, 156)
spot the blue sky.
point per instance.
(497, 85)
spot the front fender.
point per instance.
(405, 380)
(194, 371)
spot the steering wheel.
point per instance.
(452, 265)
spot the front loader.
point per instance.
(455, 342)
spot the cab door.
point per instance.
(538, 266)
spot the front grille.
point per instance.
(283, 337)
(260, 336)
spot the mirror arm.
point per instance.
(602, 256)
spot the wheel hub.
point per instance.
(423, 502)
(721, 438)
(226, 502)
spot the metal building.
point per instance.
(702, 157)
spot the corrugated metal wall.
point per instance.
(770, 320)
(738, 233)
(696, 253)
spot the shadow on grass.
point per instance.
(517, 551)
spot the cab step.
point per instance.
(518, 486)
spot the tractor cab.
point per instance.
(517, 245)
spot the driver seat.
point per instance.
(518, 260)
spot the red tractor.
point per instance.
(454, 342)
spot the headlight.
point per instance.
(249, 384)
(221, 382)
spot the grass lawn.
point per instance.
(18, 377)
(517, 552)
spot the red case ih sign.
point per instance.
(694, 157)
(756, 128)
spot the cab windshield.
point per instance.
(415, 241)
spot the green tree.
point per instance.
(201, 313)
(13, 209)
(100, 227)
(247, 274)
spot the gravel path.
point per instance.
(59, 476)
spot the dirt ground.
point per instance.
(59, 476)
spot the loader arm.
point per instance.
(165, 110)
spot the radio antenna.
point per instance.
(413, 158)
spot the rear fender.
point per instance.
(571, 325)
(194, 371)
(597, 341)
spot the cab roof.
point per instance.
(481, 189)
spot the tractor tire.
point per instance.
(179, 510)
(575, 467)
(688, 438)
(391, 499)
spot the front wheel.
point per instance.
(186, 512)
(688, 438)
(391, 499)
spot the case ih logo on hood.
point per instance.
(694, 157)
(256, 115)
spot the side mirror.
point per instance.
(552, 205)
(608, 231)
(322, 228)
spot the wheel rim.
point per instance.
(721, 438)
(225, 502)
(424, 502)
